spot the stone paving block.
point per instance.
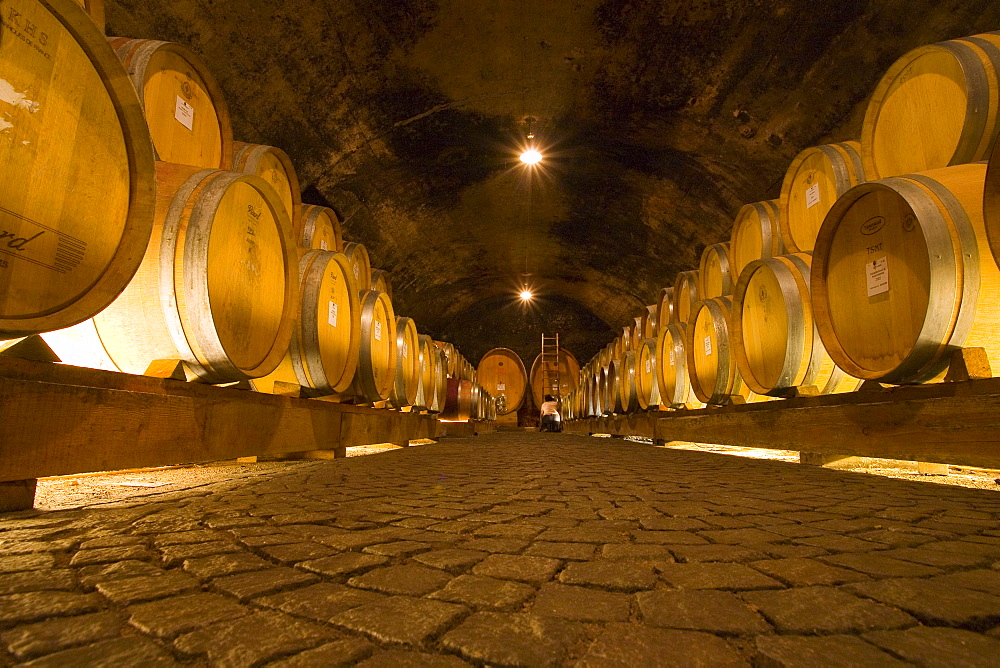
(795, 531)
(252, 639)
(184, 537)
(811, 651)
(175, 555)
(624, 645)
(660, 523)
(399, 658)
(628, 551)
(840, 543)
(935, 603)
(715, 575)
(49, 578)
(895, 537)
(38, 605)
(938, 647)
(581, 603)
(516, 639)
(295, 552)
(981, 579)
(571, 551)
(26, 562)
(225, 564)
(800, 572)
(107, 555)
(407, 579)
(504, 545)
(113, 541)
(520, 531)
(169, 616)
(52, 635)
(824, 610)
(692, 553)
(416, 522)
(752, 536)
(700, 610)
(302, 518)
(362, 538)
(456, 527)
(245, 586)
(231, 521)
(450, 559)
(723, 522)
(517, 567)
(880, 566)
(129, 651)
(343, 564)
(942, 558)
(615, 575)
(18, 547)
(401, 619)
(584, 535)
(668, 538)
(480, 592)
(793, 551)
(147, 587)
(320, 601)
(399, 548)
(272, 538)
(341, 652)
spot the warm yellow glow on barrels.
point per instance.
(531, 157)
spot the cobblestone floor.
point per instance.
(512, 549)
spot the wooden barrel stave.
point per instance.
(714, 275)
(685, 295)
(274, 166)
(502, 373)
(407, 377)
(756, 234)
(377, 358)
(673, 380)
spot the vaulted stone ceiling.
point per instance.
(659, 120)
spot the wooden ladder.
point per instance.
(550, 367)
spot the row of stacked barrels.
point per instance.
(136, 231)
(503, 374)
(877, 262)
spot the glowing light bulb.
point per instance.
(531, 157)
(526, 295)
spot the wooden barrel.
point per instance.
(218, 286)
(712, 368)
(569, 375)
(95, 9)
(628, 397)
(636, 331)
(323, 354)
(672, 377)
(606, 355)
(936, 106)
(426, 382)
(451, 361)
(646, 386)
(991, 203)
(685, 295)
(652, 325)
(665, 309)
(186, 113)
(382, 282)
(813, 182)
(458, 404)
(774, 336)
(76, 208)
(404, 392)
(377, 358)
(902, 275)
(502, 373)
(320, 228)
(440, 380)
(607, 389)
(756, 234)
(361, 264)
(715, 279)
(274, 166)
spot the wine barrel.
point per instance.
(360, 262)
(458, 405)
(382, 282)
(186, 113)
(404, 392)
(441, 379)
(652, 324)
(451, 361)
(76, 207)
(376, 374)
(773, 334)
(217, 288)
(646, 386)
(320, 228)
(714, 375)
(936, 106)
(636, 331)
(425, 379)
(606, 355)
(756, 234)
(323, 354)
(274, 166)
(607, 390)
(714, 276)
(502, 373)
(685, 295)
(672, 377)
(991, 203)
(628, 397)
(902, 275)
(569, 375)
(813, 182)
(95, 9)
(665, 309)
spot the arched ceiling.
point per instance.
(659, 120)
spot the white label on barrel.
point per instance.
(649, 366)
(406, 350)
(501, 387)
(378, 331)
(708, 346)
(331, 314)
(322, 244)
(184, 113)
(671, 358)
(877, 272)
(812, 195)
